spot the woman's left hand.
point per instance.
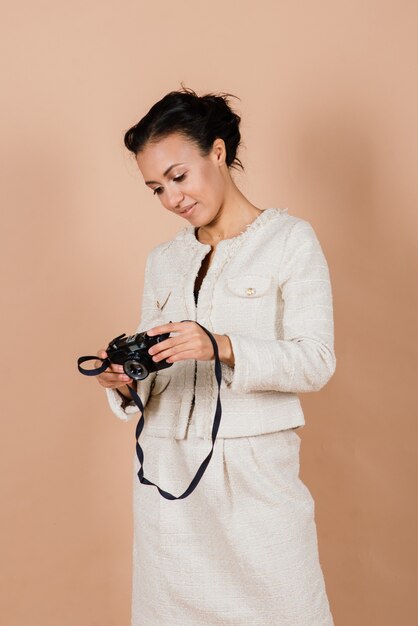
(190, 342)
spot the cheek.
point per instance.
(211, 187)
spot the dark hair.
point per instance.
(199, 118)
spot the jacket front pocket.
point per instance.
(249, 286)
(251, 304)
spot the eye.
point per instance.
(157, 190)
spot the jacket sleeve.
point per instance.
(304, 359)
(149, 318)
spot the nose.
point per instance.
(174, 197)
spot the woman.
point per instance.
(242, 548)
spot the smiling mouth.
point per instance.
(188, 209)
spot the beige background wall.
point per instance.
(329, 104)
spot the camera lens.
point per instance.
(135, 369)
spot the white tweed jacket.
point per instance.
(269, 290)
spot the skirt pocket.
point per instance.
(275, 461)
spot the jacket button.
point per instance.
(250, 291)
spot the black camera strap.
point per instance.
(141, 422)
(96, 371)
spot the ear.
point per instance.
(219, 151)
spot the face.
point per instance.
(186, 183)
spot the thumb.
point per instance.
(102, 354)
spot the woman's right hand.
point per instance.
(113, 377)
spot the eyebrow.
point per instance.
(155, 182)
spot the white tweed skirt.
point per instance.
(240, 550)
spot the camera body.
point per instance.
(132, 353)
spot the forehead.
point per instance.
(157, 156)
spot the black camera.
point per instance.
(132, 352)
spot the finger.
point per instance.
(117, 368)
(113, 380)
(194, 350)
(114, 376)
(174, 349)
(167, 344)
(180, 356)
(102, 354)
(167, 328)
(112, 367)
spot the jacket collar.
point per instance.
(190, 252)
(188, 236)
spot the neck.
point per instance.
(234, 215)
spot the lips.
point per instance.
(187, 208)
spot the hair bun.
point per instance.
(201, 118)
